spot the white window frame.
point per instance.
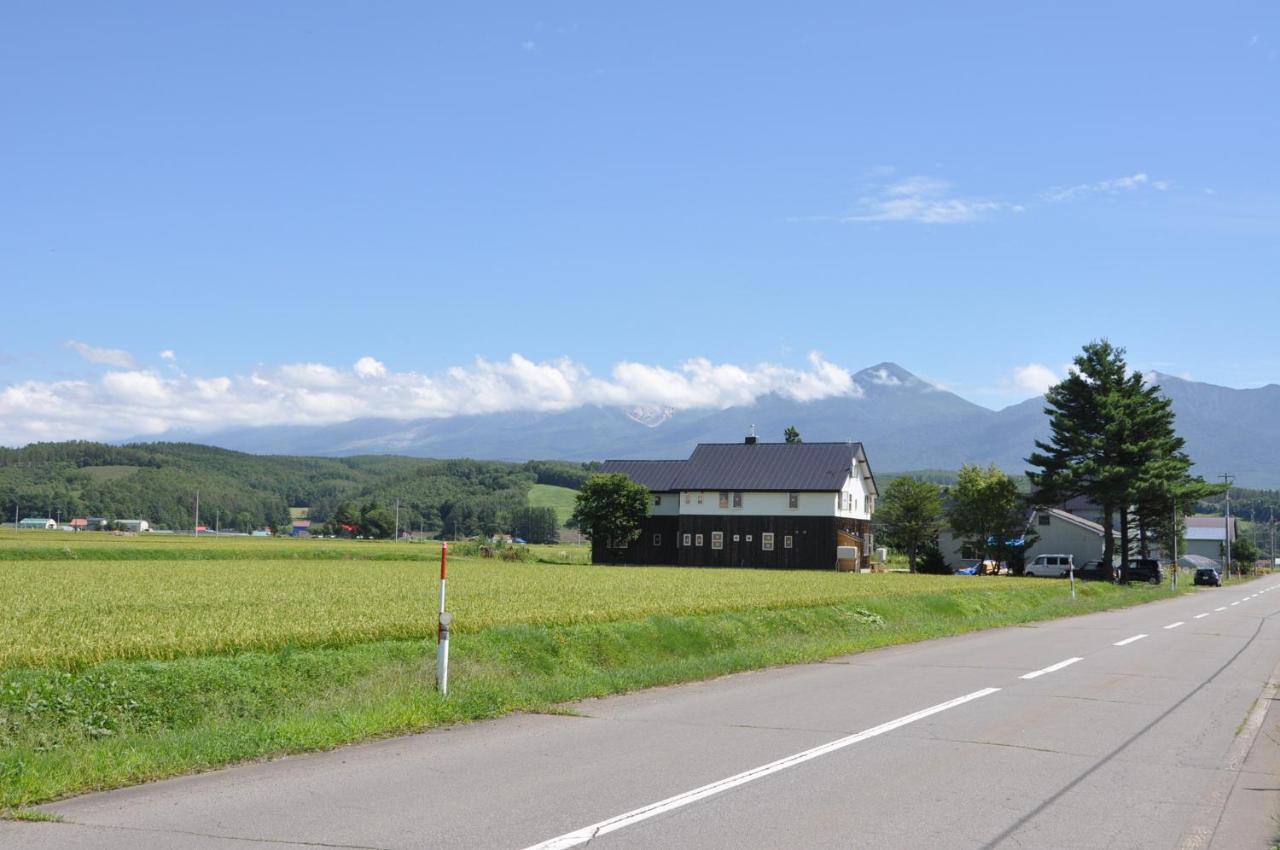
(697, 539)
(686, 538)
(786, 541)
(766, 541)
(737, 498)
(657, 539)
(724, 499)
(717, 540)
(793, 501)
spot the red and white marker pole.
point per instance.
(442, 631)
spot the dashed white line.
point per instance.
(1235, 603)
(1175, 625)
(604, 827)
(1051, 668)
(1128, 640)
(1223, 608)
(1199, 616)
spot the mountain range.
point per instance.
(905, 422)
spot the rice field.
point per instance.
(97, 598)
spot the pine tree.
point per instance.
(1084, 455)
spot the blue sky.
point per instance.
(267, 191)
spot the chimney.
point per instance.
(751, 438)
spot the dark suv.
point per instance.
(1095, 571)
(1208, 575)
(1142, 569)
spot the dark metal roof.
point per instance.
(751, 466)
(656, 475)
(769, 466)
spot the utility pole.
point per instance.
(1173, 580)
(1226, 526)
(397, 538)
(195, 529)
(217, 522)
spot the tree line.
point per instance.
(158, 482)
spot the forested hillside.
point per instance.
(158, 482)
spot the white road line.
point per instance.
(1223, 608)
(1051, 668)
(1199, 616)
(604, 827)
(1128, 640)
(1235, 603)
(1175, 625)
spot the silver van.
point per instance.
(1055, 566)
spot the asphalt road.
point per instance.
(1074, 733)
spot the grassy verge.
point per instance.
(124, 721)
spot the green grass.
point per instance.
(562, 499)
(119, 670)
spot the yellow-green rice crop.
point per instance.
(81, 611)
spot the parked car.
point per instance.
(965, 568)
(1209, 576)
(1142, 569)
(1096, 571)
(1054, 566)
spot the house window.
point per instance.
(717, 540)
(737, 499)
(697, 539)
(786, 541)
(1044, 519)
(724, 499)
(793, 500)
(736, 538)
(657, 500)
(748, 538)
(657, 540)
(687, 497)
(766, 541)
(699, 497)
(686, 539)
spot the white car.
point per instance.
(1054, 566)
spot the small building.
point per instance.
(38, 523)
(300, 528)
(80, 523)
(1054, 532)
(1206, 535)
(136, 526)
(752, 504)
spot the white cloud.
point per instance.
(106, 356)
(367, 367)
(1035, 378)
(168, 354)
(1114, 186)
(130, 402)
(925, 200)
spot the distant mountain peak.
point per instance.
(889, 374)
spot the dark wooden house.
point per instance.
(752, 504)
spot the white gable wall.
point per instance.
(773, 503)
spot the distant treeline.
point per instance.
(158, 482)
